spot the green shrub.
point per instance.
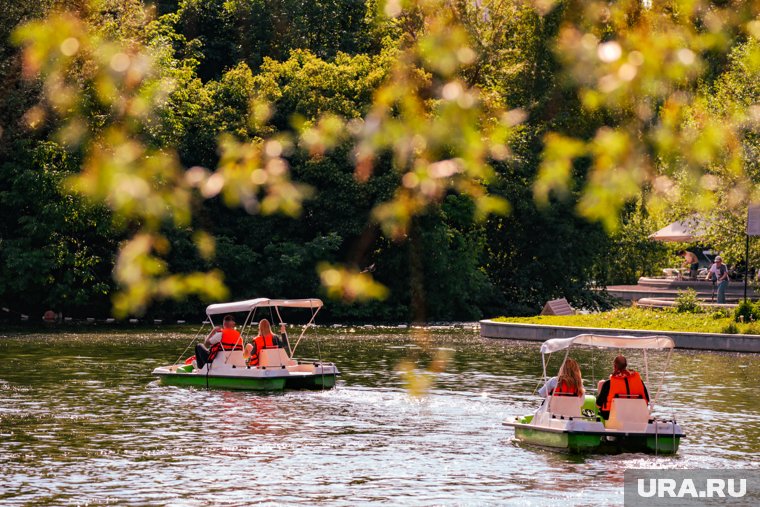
(721, 313)
(747, 311)
(753, 328)
(730, 329)
(688, 302)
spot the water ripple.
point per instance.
(83, 422)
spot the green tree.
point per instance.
(56, 251)
(722, 215)
(594, 105)
(630, 254)
(250, 30)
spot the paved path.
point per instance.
(648, 287)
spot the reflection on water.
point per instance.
(82, 421)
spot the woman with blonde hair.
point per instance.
(265, 340)
(568, 381)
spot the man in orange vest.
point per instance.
(220, 339)
(622, 383)
(265, 339)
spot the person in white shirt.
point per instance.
(719, 274)
(225, 338)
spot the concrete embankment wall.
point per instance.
(540, 333)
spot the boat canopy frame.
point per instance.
(251, 305)
(657, 342)
(644, 343)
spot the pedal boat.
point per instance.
(573, 424)
(277, 369)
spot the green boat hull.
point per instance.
(663, 445)
(248, 383)
(577, 442)
(573, 442)
(311, 382)
(219, 382)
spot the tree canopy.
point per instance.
(414, 159)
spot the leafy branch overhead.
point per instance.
(429, 101)
(646, 68)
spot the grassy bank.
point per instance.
(640, 318)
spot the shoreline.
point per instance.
(27, 327)
(683, 340)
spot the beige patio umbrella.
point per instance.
(684, 231)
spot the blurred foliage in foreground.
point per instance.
(454, 157)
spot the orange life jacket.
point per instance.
(261, 342)
(563, 388)
(627, 383)
(230, 341)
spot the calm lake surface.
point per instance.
(82, 421)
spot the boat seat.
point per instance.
(275, 357)
(231, 358)
(628, 414)
(565, 406)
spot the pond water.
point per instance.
(82, 421)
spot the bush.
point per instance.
(747, 311)
(721, 313)
(688, 302)
(730, 329)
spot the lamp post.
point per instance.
(753, 229)
(746, 267)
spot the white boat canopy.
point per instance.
(614, 342)
(250, 304)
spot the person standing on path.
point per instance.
(719, 274)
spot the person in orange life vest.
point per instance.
(265, 339)
(220, 339)
(622, 382)
(567, 381)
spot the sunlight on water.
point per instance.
(83, 421)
